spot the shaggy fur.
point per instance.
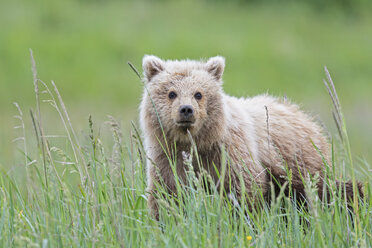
(262, 135)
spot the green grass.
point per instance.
(83, 182)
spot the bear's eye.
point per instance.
(198, 96)
(172, 95)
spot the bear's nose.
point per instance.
(186, 111)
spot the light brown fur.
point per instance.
(262, 135)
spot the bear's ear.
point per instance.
(215, 66)
(151, 65)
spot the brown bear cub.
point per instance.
(264, 137)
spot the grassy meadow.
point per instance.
(72, 170)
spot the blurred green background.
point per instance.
(278, 47)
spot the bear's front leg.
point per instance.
(152, 204)
(161, 181)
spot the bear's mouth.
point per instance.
(185, 126)
(185, 123)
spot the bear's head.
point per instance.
(183, 96)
